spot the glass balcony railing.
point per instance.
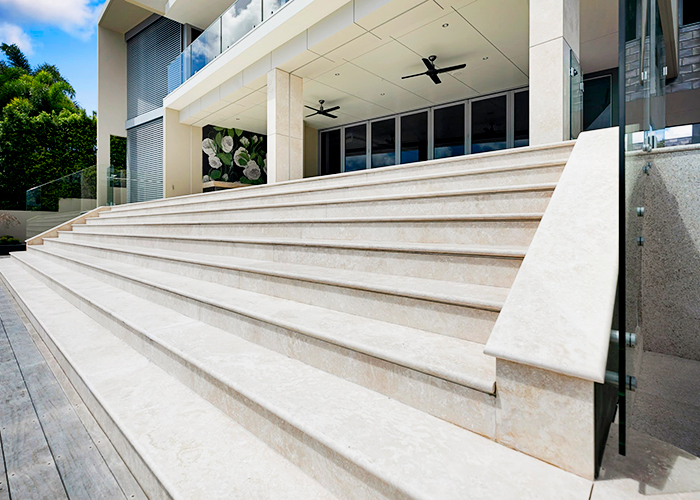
(239, 20)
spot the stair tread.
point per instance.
(308, 187)
(347, 178)
(542, 186)
(459, 361)
(195, 450)
(511, 251)
(340, 220)
(452, 292)
(421, 455)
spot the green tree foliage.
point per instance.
(44, 134)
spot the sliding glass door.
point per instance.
(489, 124)
(414, 137)
(383, 143)
(356, 147)
(477, 125)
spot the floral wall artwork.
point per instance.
(233, 155)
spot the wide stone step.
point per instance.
(455, 378)
(354, 441)
(456, 309)
(433, 183)
(486, 229)
(491, 200)
(475, 264)
(520, 158)
(175, 442)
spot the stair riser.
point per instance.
(504, 178)
(461, 232)
(512, 202)
(138, 467)
(479, 270)
(519, 158)
(452, 402)
(468, 323)
(332, 470)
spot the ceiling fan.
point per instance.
(322, 111)
(433, 72)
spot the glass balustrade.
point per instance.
(239, 20)
(61, 200)
(642, 116)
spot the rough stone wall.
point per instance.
(670, 272)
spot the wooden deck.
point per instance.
(50, 445)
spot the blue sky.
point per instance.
(60, 32)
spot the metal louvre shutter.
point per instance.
(148, 55)
(145, 162)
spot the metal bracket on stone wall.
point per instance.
(630, 338)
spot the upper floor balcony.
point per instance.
(227, 30)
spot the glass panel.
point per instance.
(356, 148)
(597, 103)
(576, 96)
(489, 124)
(61, 200)
(272, 6)
(384, 143)
(522, 119)
(643, 116)
(239, 20)
(330, 152)
(414, 137)
(206, 47)
(448, 126)
(179, 70)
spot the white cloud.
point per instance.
(76, 17)
(11, 33)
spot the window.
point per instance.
(489, 124)
(690, 12)
(414, 137)
(449, 131)
(384, 143)
(356, 148)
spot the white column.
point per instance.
(285, 127)
(182, 156)
(111, 101)
(554, 33)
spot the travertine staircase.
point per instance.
(312, 339)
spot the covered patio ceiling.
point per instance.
(360, 68)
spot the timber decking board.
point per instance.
(31, 471)
(48, 451)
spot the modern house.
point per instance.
(378, 248)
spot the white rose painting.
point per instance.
(233, 155)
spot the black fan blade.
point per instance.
(433, 76)
(428, 64)
(451, 68)
(334, 108)
(313, 114)
(307, 106)
(413, 76)
(330, 115)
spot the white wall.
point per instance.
(182, 156)
(111, 100)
